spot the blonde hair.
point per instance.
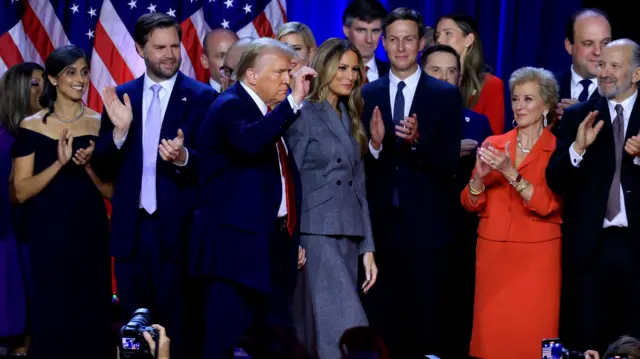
(545, 80)
(254, 51)
(299, 28)
(326, 62)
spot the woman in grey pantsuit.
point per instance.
(327, 142)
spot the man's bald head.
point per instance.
(216, 44)
(235, 52)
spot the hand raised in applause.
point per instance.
(408, 129)
(563, 104)
(467, 146)
(301, 83)
(482, 168)
(65, 147)
(376, 127)
(632, 147)
(120, 113)
(587, 132)
(83, 155)
(173, 150)
(499, 161)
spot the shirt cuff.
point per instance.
(295, 107)
(575, 157)
(186, 150)
(636, 161)
(375, 153)
(120, 142)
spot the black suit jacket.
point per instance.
(383, 67)
(586, 188)
(424, 173)
(564, 81)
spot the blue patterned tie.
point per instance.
(150, 143)
(398, 115)
(584, 95)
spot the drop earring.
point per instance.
(544, 119)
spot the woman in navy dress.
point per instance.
(65, 218)
(20, 88)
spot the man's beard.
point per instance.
(158, 71)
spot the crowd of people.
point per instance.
(320, 190)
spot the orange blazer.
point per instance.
(491, 103)
(504, 215)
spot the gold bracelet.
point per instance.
(473, 192)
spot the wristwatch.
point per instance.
(515, 182)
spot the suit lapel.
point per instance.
(178, 103)
(385, 106)
(135, 97)
(419, 95)
(338, 129)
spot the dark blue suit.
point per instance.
(413, 241)
(564, 81)
(247, 262)
(150, 249)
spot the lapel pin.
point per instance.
(184, 99)
(467, 119)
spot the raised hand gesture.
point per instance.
(173, 150)
(587, 132)
(482, 168)
(376, 127)
(499, 161)
(120, 113)
(65, 147)
(301, 83)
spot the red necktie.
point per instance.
(288, 187)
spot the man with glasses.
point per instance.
(231, 58)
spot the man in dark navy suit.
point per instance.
(587, 32)
(410, 178)
(244, 243)
(443, 63)
(362, 25)
(146, 148)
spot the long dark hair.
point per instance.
(473, 65)
(57, 61)
(15, 92)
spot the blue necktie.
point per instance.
(398, 115)
(584, 95)
(150, 141)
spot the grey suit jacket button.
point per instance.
(338, 182)
(339, 160)
(350, 183)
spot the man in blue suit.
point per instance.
(415, 127)
(146, 149)
(443, 63)
(244, 243)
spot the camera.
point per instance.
(132, 342)
(553, 349)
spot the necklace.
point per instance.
(524, 150)
(74, 120)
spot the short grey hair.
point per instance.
(544, 78)
(256, 49)
(635, 50)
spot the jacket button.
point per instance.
(338, 182)
(350, 183)
(339, 160)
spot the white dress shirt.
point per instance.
(620, 220)
(216, 86)
(282, 211)
(408, 91)
(372, 70)
(576, 86)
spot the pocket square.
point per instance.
(467, 119)
(184, 99)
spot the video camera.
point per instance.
(132, 342)
(553, 349)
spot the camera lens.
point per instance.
(141, 318)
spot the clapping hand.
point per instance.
(376, 127)
(409, 129)
(633, 146)
(482, 168)
(467, 146)
(587, 132)
(83, 155)
(499, 161)
(563, 104)
(65, 147)
(120, 113)
(173, 150)
(302, 257)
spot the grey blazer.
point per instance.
(334, 199)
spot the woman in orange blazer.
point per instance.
(518, 269)
(482, 92)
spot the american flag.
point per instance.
(31, 29)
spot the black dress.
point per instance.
(66, 230)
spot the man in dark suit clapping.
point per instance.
(244, 243)
(410, 172)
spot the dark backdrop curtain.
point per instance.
(514, 33)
